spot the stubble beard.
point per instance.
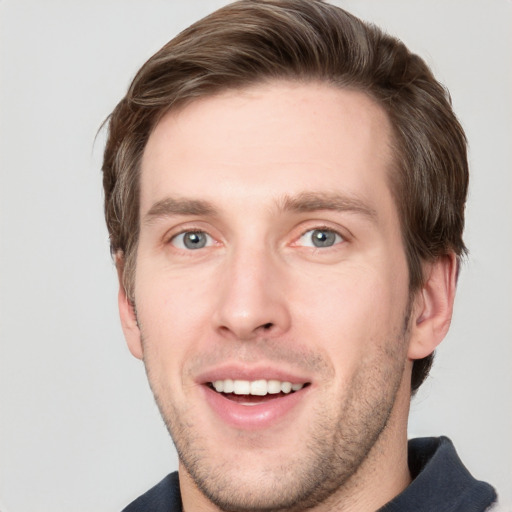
(337, 443)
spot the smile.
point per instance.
(261, 387)
(254, 404)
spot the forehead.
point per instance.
(262, 142)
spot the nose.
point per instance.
(252, 301)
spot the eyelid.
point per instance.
(187, 226)
(322, 225)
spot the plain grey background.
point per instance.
(78, 428)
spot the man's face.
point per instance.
(270, 257)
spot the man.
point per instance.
(284, 192)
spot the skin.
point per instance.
(257, 170)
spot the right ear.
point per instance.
(129, 322)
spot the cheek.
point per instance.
(173, 313)
(353, 308)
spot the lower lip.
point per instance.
(256, 416)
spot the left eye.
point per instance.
(191, 240)
(320, 238)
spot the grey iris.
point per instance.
(194, 240)
(323, 238)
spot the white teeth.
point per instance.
(286, 387)
(229, 386)
(242, 387)
(274, 386)
(259, 387)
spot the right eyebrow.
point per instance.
(178, 206)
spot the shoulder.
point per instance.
(441, 482)
(163, 497)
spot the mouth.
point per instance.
(249, 398)
(254, 392)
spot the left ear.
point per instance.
(433, 307)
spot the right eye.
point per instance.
(191, 240)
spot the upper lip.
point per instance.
(236, 371)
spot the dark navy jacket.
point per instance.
(440, 483)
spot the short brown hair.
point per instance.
(251, 41)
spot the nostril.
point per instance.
(267, 326)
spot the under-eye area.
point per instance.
(255, 391)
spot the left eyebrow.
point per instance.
(315, 201)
